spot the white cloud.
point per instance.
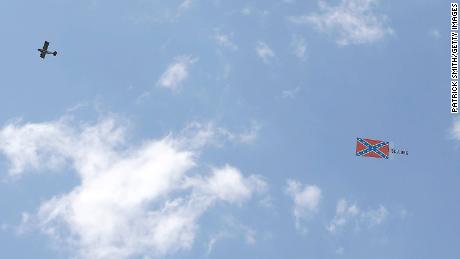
(376, 216)
(264, 52)
(353, 20)
(232, 230)
(48, 145)
(185, 5)
(176, 72)
(198, 134)
(344, 213)
(228, 184)
(350, 213)
(249, 135)
(299, 47)
(290, 93)
(455, 130)
(131, 200)
(306, 200)
(214, 240)
(225, 40)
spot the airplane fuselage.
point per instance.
(45, 51)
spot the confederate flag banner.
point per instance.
(372, 148)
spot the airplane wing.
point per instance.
(45, 46)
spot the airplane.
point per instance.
(44, 50)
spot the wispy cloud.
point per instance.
(455, 130)
(374, 217)
(347, 213)
(146, 195)
(225, 40)
(185, 5)
(257, 12)
(264, 52)
(290, 93)
(354, 21)
(246, 11)
(158, 12)
(199, 134)
(176, 73)
(435, 33)
(214, 239)
(306, 200)
(232, 229)
(299, 47)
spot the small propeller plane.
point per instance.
(44, 50)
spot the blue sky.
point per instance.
(223, 129)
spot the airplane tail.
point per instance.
(55, 53)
